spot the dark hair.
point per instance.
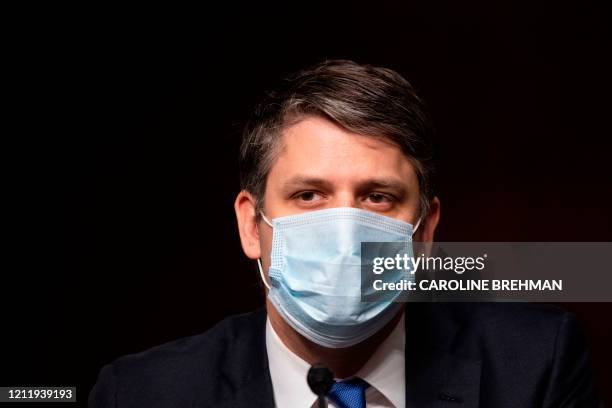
(363, 99)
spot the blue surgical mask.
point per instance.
(315, 273)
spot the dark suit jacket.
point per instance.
(457, 355)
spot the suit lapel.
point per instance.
(256, 392)
(247, 381)
(435, 375)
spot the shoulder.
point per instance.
(506, 337)
(517, 322)
(191, 352)
(513, 313)
(180, 366)
(512, 354)
(539, 346)
(510, 321)
(513, 328)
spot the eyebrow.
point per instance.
(389, 183)
(298, 182)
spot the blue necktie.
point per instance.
(349, 393)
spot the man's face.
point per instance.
(320, 165)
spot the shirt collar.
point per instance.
(287, 371)
(385, 370)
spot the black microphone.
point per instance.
(320, 381)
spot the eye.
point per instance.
(307, 196)
(378, 198)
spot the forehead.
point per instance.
(318, 147)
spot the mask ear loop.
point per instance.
(418, 224)
(266, 220)
(263, 278)
(261, 273)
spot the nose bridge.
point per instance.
(346, 197)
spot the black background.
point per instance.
(120, 160)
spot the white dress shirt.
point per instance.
(385, 371)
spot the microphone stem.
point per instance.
(322, 401)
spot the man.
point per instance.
(339, 154)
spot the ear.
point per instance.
(247, 224)
(429, 224)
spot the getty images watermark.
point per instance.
(486, 271)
